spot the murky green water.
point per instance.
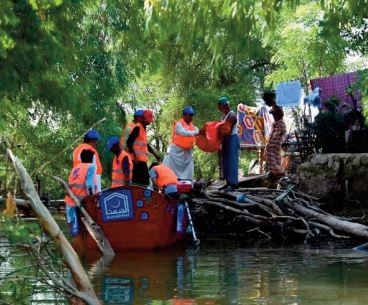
(224, 272)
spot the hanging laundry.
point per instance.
(314, 99)
(336, 85)
(288, 94)
(254, 124)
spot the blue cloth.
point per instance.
(90, 179)
(111, 141)
(230, 159)
(180, 218)
(170, 188)
(314, 98)
(188, 110)
(92, 134)
(72, 219)
(288, 93)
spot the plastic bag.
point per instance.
(210, 141)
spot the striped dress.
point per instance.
(273, 157)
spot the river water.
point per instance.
(227, 272)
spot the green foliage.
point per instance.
(230, 26)
(300, 51)
(66, 64)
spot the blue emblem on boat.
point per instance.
(147, 193)
(116, 205)
(144, 216)
(139, 203)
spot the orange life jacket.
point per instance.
(120, 178)
(77, 152)
(77, 183)
(165, 176)
(184, 142)
(140, 144)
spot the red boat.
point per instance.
(136, 218)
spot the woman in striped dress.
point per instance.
(273, 148)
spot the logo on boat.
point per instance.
(116, 205)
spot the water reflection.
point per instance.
(223, 272)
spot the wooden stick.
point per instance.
(85, 289)
(65, 149)
(244, 214)
(333, 222)
(19, 202)
(93, 228)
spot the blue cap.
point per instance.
(139, 112)
(223, 101)
(188, 110)
(92, 134)
(111, 141)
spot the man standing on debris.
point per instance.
(273, 148)
(82, 182)
(138, 146)
(180, 153)
(122, 166)
(89, 143)
(230, 145)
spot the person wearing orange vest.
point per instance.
(128, 128)
(139, 147)
(82, 182)
(122, 166)
(89, 143)
(180, 152)
(165, 180)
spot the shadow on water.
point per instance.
(227, 272)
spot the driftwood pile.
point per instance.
(278, 214)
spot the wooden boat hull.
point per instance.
(148, 219)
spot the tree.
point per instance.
(300, 51)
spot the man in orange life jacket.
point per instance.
(122, 166)
(180, 152)
(139, 148)
(89, 143)
(128, 128)
(82, 182)
(165, 179)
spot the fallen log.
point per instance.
(351, 228)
